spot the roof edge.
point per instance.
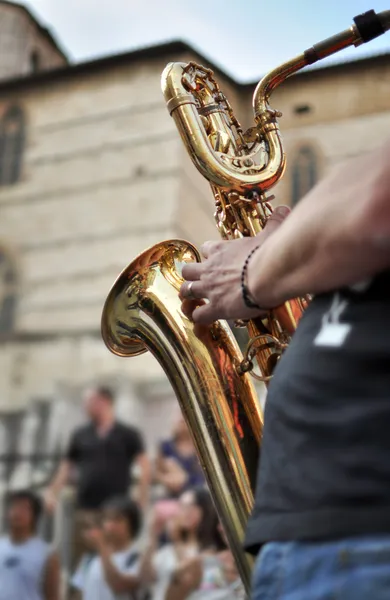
(95, 64)
(169, 47)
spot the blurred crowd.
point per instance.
(158, 540)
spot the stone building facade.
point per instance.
(100, 175)
(26, 46)
(95, 172)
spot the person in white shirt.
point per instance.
(195, 563)
(29, 569)
(212, 575)
(113, 574)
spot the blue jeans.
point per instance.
(351, 569)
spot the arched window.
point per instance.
(12, 137)
(304, 172)
(8, 294)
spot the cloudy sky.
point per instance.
(245, 41)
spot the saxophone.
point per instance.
(209, 374)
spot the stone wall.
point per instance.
(100, 180)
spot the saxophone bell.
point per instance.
(143, 312)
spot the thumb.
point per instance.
(276, 219)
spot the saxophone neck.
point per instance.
(366, 27)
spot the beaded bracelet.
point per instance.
(244, 287)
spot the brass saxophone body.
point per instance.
(205, 366)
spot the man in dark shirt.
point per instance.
(322, 506)
(103, 452)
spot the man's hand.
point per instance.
(60, 479)
(95, 538)
(186, 579)
(49, 501)
(156, 527)
(218, 278)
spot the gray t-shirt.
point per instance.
(329, 403)
(22, 569)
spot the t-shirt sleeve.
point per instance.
(73, 451)
(135, 443)
(78, 579)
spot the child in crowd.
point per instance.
(113, 573)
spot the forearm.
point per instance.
(143, 492)
(60, 478)
(295, 262)
(144, 481)
(176, 591)
(185, 580)
(52, 579)
(53, 594)
(330, 240)
(117, 581)
(147, 571)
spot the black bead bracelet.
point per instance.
(244, 287)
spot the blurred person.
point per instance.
(193, 531)
(177, 464)
(211, 575)
(177, 468)
(113, 573)
(90, 522)
(321, 519)
(208, 576)
(29, 569)
(104, 452)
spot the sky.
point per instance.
(245, 38)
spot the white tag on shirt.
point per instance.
(332, 335)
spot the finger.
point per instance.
(192, 271)
(205, 314)
(276, 219)
(193, 289)
(208, 248)
(188, 307)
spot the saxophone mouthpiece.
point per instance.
(371, 25)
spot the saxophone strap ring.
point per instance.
(256, 344)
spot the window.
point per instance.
(35, 62)
(304, 172)
(302, 109)
(8, 282)
(12, 137)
